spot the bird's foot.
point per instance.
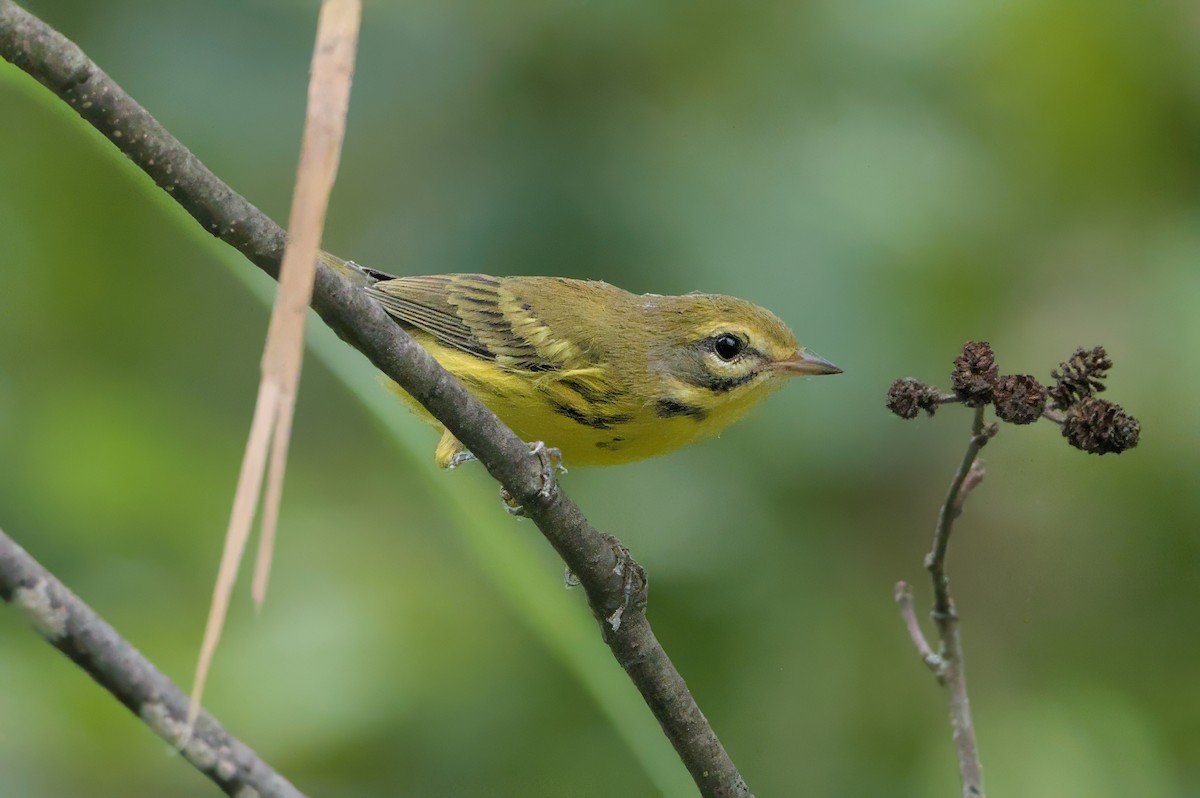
(552, 462)
(462, 457)
(552, 459)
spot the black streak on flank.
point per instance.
(612, 445)
(588, 394)
(669, 408)
(595, 422)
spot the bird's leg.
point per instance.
(451, 454)
(461, 457)
(552, 459)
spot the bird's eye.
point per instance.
(727, 346)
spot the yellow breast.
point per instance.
(576, 413)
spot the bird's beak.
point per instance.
(805, 364)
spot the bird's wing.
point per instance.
(480, 315)
(424, 303)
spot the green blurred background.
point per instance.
(891, 179)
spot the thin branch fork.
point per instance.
(948, 663)
(602, 567)
(1088, 423)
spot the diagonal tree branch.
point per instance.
(614, 584)
(77, 631)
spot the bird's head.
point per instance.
(720, 351)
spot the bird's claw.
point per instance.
(552, 458)
(510, 504)
(633, 583)
(633, 586)
(552, 462)
(462, 457)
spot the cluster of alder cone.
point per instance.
(1088, 422)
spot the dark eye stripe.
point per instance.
(718, 383)
(722, 384)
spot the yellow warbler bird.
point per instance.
(602, 375)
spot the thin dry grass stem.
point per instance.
(267, 444)
(244, 501)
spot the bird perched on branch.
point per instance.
(602, 375)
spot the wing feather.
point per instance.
(475, 313)
(423, 302)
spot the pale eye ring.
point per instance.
(727, 346)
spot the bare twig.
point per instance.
(960, 486)
(948, 663)
(78, 632)
(602, 568)
(1056, 416)
(904, 598)
(1088, 423)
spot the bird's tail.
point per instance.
(362, 276)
